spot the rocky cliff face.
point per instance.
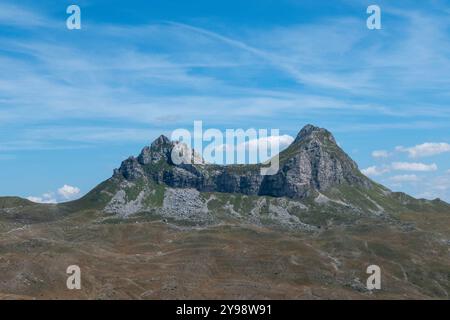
(314, 162)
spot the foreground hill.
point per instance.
(160, 230)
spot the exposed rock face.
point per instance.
(158, 151)
(130, 169)
(124, 208)
(185, 204)
(314, 162)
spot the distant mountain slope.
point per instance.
(11, 202)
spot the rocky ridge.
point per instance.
(314, 162)
(317, 184)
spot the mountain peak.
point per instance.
(311, 131)
(157, 151)
(314, 162)
(162, 140)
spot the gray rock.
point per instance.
(185, 204)
(313, 163)
(158, 151)
(130, 169)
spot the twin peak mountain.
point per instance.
(312, 163)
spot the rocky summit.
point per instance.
(313, 163)
(157, 229)
(317, 184)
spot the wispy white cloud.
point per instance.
(399, 166)
(404, 178)
(85, 135)
(109, 85)
(380, 154)
(425, 149)
(22, 17)
(374, 171)
(113, 78)
(413, 166)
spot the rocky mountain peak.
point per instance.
(314, 162)
(159, 150)
(312, 132)
(161, 141)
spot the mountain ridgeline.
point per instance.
(317, 183)
(314, 162)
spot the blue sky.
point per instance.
(75, 103)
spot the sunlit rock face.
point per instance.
(313, 162)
